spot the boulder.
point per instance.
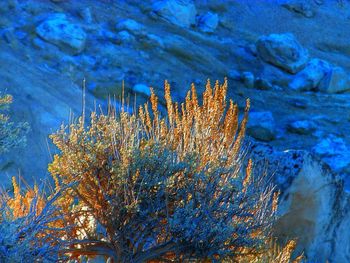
(57, 30)
(302, 127)
(336, 81)
(282, 50)
(263, 84)
(208, 22)
(248, 79)
(311, 205)
(310, 77)
(130, 25)
(179, 12)
(334, 151)
(261, 126)
(124, 37)
(275, 75)
(307, 207)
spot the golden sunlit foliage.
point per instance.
(11, 134)
(142, 187)
(164, 188)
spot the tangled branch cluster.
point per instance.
(139, 187)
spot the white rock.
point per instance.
(59, 31)
(284, 51)
(310, 77)
(142, 88)
(178, 12)
(130, 25)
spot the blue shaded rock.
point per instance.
(248, 79)
(152, 41)
(310, 77)
(275, 75)
(336, 81)
(9, 35)
(59, 31)
(284, 51)
(303, 127)
(85, 14)
(261, 126)
(124, 37)
(129, 25)
(234, 74)
(263, 84)
(178, 12)
(142, 88)
(208, 22)
(334, 151)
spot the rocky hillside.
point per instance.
(291, 58)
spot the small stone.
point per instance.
(261, 126)
(142, 88)
(152, 41)
(303, 127)
(124, 37)
(263, 84)
(129, 25)
(336, 81)
(208, 22)
(235, 75)
(85, 14)
(9, 35)
(248, 79)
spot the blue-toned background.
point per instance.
(291, 58)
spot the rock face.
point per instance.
(312, 206)
(307, 208)
(284, 51)
(59, 31)
(179, 12)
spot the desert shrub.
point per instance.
(11, 134)
(153, 188)
(275, 253)
(28, 227)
